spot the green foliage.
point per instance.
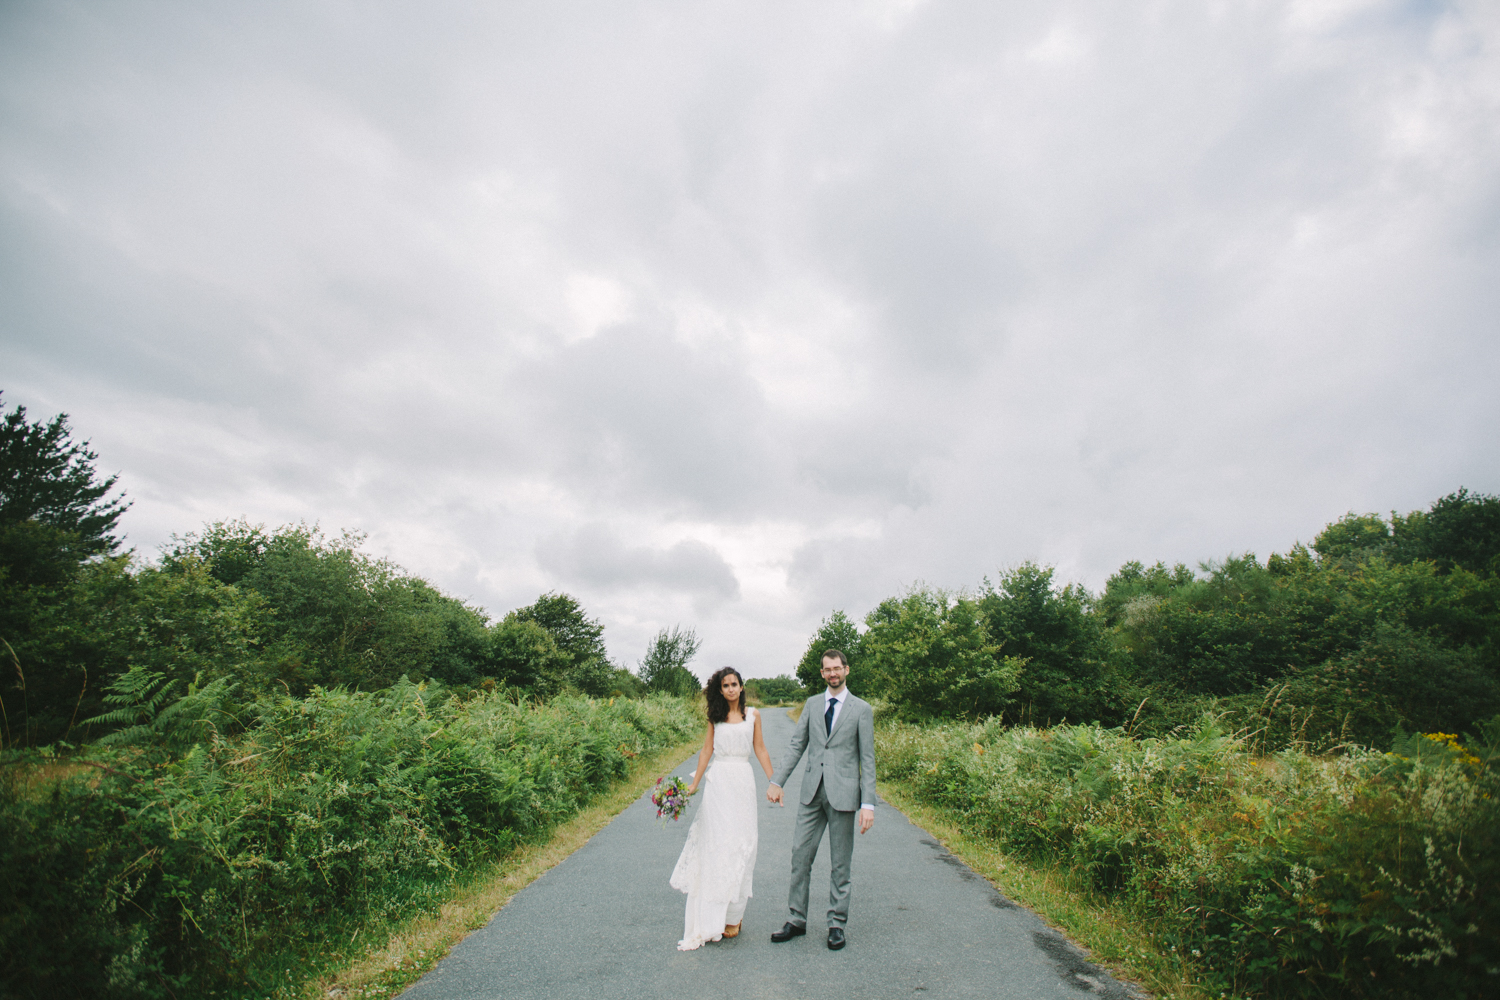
(1462, 530)
(48, 481)
(1315, 638)
(148, 712)
(836, 632)
(775, 690)
(152, 875)
(1353, 536)
(526, 657)
(1378, 625)
(932, 656)
(115, 614)
(664, 667)
(1135, 584)
(1366, 875)
(580, 637)
(56, 517)
(267, 608)
(1061, 641)
(338, 616)
(625, 684)
(1396, 679)
(183, 623)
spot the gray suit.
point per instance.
(838, 775)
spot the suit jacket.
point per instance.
(844, 759)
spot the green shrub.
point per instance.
(931, 656)
(137, 872)
(1366, 875)
(1055, 631)
(775, 690)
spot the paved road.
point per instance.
(605, 924)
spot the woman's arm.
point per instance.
(704, 756)
(760, 748)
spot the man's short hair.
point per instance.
(833, 654)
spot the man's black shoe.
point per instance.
(835, 938)
(788, 931)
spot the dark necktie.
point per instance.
(828, 716)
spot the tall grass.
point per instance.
(139, 873)
(1289, 875)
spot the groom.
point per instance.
(836, 732)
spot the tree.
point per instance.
(664, 667)
(1055, 632)
(835, 632)
(1353, 536)
(339, 616)
(577, 635)
(774, 690)
(1460, 530)
(623, 683)
(1135, 582)
(526, 657)
(934, 657)
(54, 510)
(57, 520)
(1396, 678)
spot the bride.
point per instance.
(718, 860)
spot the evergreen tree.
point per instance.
(55, 511)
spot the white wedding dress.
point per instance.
(718, 860)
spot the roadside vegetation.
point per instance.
(1286, 768)
(1358, 874)
(235, 766)
(264, 756)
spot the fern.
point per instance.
(139, 695)
(146, 711)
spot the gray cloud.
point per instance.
(731, 316)
(596, 556)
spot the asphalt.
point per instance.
(605, 924)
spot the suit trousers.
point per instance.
(812, 818)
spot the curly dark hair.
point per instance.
(718, 705)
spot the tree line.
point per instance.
(289, 608)
(1380, 625)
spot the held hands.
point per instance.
(773, 794)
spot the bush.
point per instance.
(1396, 679)
(931, 656)
(1367, 875)
(775, 690)
(138, 872)
(1055, 632)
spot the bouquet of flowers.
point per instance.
(670, 799)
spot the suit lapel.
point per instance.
(845, 704)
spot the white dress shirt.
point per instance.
(838, 706)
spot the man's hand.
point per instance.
(866, 820)
(773, 793)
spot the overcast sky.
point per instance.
(732, 314)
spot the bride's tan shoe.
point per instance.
(732, 931)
